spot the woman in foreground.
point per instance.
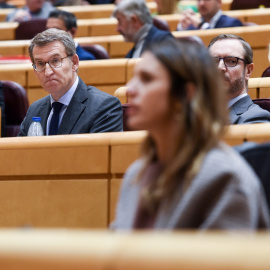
(186, 177)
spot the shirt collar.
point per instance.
(234, 100)
(213, 21)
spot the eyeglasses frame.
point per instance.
(48, 62)
(238, 58)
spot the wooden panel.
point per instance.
(8, 30)
(4, 12)
(66, 160)
(34, 94)
(235, 134)
(111, 71)
(261, 62)
(16, 73)
(83, 29)
(54, 203)
(259, 134)
(125, 148)
(110, 89)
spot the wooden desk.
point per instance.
(73, 181)
(101, 250)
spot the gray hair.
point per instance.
(51, 35)
(134, 7)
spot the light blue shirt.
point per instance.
(65, 99)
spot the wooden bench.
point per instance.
(73, 181)
(257, 36)
(102, 250)
(98, 26)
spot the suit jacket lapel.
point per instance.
(74, 109)
(239, 108)
(44, 113)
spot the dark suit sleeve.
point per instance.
(108, 117)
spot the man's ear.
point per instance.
(249, 69)
(75, 62)
(136, 21)
(73, 31)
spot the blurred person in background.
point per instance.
(34, 9)
(67, 21)
(211, 17)
(135, 24)
(186, 178)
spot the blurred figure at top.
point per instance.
(34, 9)
(67, 21)
(135, 24)
(211, 17)
(187, 178)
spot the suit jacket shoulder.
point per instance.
(154, 35)
(226, 21)
(244, 111)
(83, 54)
(219, 197)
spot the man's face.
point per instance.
(125, 27)
(236, 77)
(208, 8)
(34, 5)
(56, 23)
(56, 81)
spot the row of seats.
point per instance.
(107, 26)
(116, 47)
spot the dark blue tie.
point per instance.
(57, 106)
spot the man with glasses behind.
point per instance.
(234, 58)
(72, 107)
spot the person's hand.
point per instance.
(21, 16)
(190, 18)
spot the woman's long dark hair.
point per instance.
(201, 120)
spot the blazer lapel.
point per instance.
(44, 113)
(239, 108)
(74, 109)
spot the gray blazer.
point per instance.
(89, 111)
(225, 194)
(244, 111)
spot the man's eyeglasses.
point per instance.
(229, 61)
(55, 62)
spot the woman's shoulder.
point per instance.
(224, 161)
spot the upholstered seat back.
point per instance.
(16, 106)
(28, 29)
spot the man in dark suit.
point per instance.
(67, 21)
(234, 58)
(135, 24)
(211, 17)
(72, 107)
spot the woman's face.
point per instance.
(148, 93)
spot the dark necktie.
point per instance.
(57, 106)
